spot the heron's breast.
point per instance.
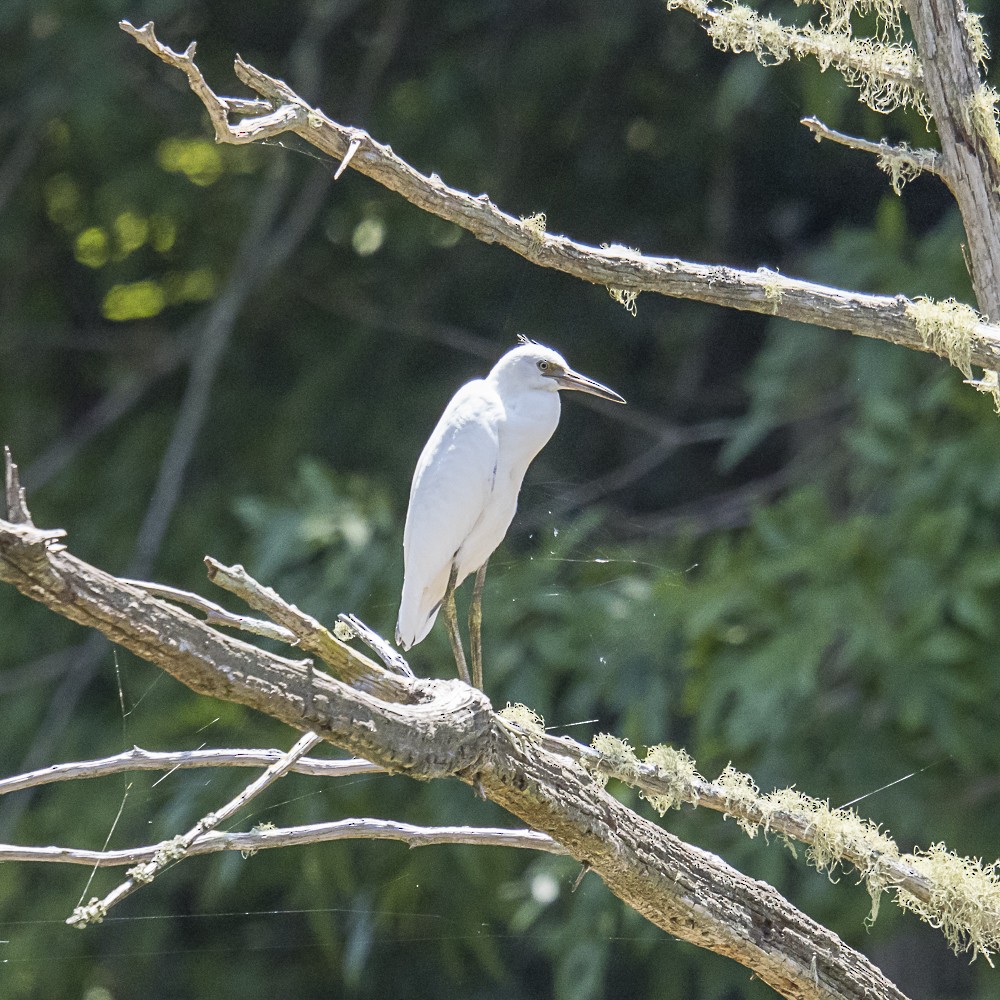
(528, 424)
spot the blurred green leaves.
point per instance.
(838, 634)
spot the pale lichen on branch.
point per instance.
(960, 896)
(948, 328)
(886, 71)
(984, 116)
(837, 15)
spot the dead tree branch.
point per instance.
(901, 163)
(881, 317)
(310, 635)
(959, 896)
(138, 759)
(887, 75)
(434, 729)
(260, 839)
(216, 614)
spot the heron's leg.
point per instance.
(451, 620)
(476, 627)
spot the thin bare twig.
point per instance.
(138, 759)
(58, 712)
(215, 614)
(260, 839)
(15, 508)
(901, 163)
(218, 108)
(382, 648)
(179, 847)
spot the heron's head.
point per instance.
(534, 366)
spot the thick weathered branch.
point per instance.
(970, 147)
(959, 896)
(222, 666)
(711, 904)
(695, 790)
(878, 316)
(445, 728)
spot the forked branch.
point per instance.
(178, 848)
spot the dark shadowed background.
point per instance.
(784, 553)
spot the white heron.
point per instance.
(465, 487)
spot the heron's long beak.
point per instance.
(570, 379)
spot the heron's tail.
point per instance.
(415, 620)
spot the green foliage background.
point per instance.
(807, 588)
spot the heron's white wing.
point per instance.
(452, 485)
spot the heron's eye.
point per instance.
(543, 366)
